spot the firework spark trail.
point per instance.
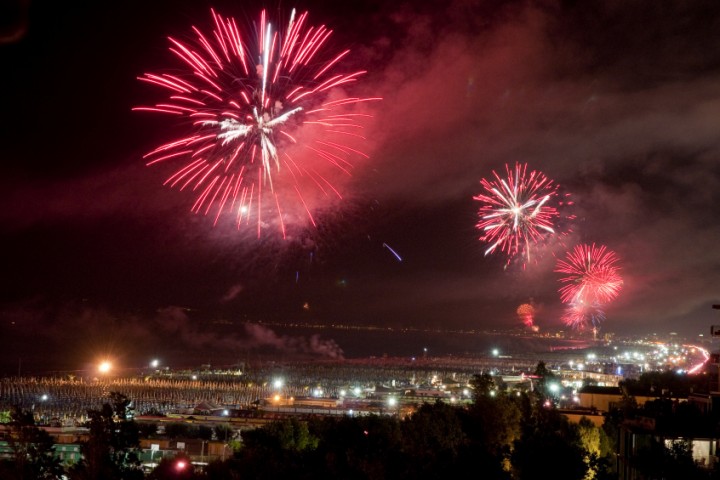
(580, 316)
(244, 101)
(591, 281)
(592, 275)
(392, 251)
(518, 211)
(526, 313)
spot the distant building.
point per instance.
(604, 399)
(68, 454)
(576, 415)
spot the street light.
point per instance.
(392, 403)
(104, 367)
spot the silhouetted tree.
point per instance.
(290, 434)
(33, 450)
(482, 384)
(204, 432)
(224, 432)
(548, 434)
(112, 450)
(675, 461)
(147, 429)
(499, 420)
(359, 447)
(546, 378)
(180, 430)
(432, 438)
(279, 449)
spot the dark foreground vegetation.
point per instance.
(501, 435)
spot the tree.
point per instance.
(147, 429)
(433, 438)
(289, 434)
(359, 447)
(546, 378)
(6, 416)
(656, 460)
(224, 432)
(598, 454)
(482, 384)
(179, 430)
(498, 419)
(548, 434)
(204, 432)
(32, 448)
(279, 449)
(112, 450)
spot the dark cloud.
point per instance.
(626, 121)
(49, 337)
(13, 20)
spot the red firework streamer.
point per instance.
(267, 122)
(518, 211)
(579, 316)
(526, 313)
(591, 276)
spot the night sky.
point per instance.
(618, 102)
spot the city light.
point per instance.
(155, 363)
(104, 367)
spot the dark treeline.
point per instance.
(501, 435)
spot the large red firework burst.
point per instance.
(580, 316)
(519, 211)
(268, 125)
(591, 278)
(526, 313)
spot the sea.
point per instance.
(342, 342)
(287, 343)
(361, 343)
